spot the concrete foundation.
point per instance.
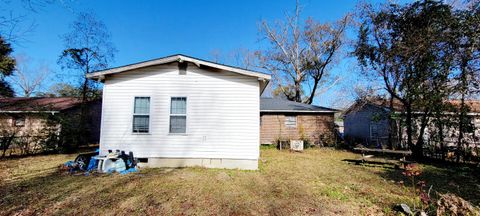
(222, 163)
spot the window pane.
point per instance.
(142, 105)
(178, 124)
(179, 105)
(140, 124)
(19, 121)
(290, 121)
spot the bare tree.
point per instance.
(88, 48)
(301, 55)
(28, 80)
(216, 55)
(15, 25)
(245, 58)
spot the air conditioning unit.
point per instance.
(296, 145)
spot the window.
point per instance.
(19, 121)
(291, 121)
(373, 131)
(178, 115)
(141, 115)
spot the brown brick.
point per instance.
(314, 127)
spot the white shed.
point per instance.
(182, 111)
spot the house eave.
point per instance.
(100, 75)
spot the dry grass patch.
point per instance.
(316, 182)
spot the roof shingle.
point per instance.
(32, 104)
(281, 105)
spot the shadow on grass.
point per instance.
(15, 156)
(55, 191)
(463, 181)
(385, 165)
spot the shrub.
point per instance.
(327, 140)
(6, 140)
(306, 143)
(49, 140)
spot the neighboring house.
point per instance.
(283, 120)
(27, 116)
(368, 122)
(182, 111)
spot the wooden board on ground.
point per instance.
(388, 151)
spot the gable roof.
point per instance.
(384, 103)
(474, 105)
(37, 104)
(177, 58)
(282, 105)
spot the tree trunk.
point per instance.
(314, 89)
(408, 122)
(417, 149)
(461, 120)
(440, 138)
(418, 152)
(391, 123)
(298, 92)
(83, 129)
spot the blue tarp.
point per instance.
(92, 165)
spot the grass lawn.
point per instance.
(316, 182)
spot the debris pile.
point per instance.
(117, 161)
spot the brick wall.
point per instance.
(33, 123)
(315, 126)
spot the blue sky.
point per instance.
(143, 30)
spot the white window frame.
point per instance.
(170, 114)
(137, 114)
(288, 125)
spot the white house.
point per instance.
(182, 111)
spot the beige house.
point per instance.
(29, 114)
(283, 120)
(24, 118)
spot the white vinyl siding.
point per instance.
(221, 114)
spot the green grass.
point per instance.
(316, 181)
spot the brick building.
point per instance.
(26, 116)
(283, 120)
